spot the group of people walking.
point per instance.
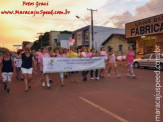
(25, 61)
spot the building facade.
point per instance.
(118, 42)
(59, 38)
(83, 35)
(146, 33)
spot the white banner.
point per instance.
(51, 65)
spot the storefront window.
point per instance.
(86, 35)
(147, 44)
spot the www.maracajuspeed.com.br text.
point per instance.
(35, 12)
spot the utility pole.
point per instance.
(92, 26)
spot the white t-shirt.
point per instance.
(18, 62)
(84, 54)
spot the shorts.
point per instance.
(27, 71)
(61, 75)
(7, 76)
(18, 69)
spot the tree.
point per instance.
(44, 39)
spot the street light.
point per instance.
(82, 20)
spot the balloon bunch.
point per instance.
(71, 41)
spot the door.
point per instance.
(145, 61)
(153, 60)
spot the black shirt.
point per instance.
(26, 61)
(7, 65)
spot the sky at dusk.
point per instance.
(110, 13)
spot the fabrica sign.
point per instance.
(148, 26)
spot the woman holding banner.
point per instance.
(51, 53)
(72, 54)
(61, 55)
(104, 54)
(83, 54)
(91, 54)
(28, 62)
(45, 76)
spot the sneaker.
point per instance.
(9, 91)
(48, 86)
(43, 84)
(128, 75)
(5, 86)
(109, 75)
(85, 79)
(134, 76)
(92, 78)
(62, 84)
(118, 76)
(97, 78)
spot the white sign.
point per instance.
(51, 65)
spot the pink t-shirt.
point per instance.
(61, 56)
(40, 59)
(37, 54)
(130, 58)
(104, 53)
(90, 54)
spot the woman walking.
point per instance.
(83, 54)
(130, 60)
(90, 55)
(73, 54)
(51, 53)
(45, 76)
(18, 63)
(7, 70)
(28, 62)
(104, 54)
(112, 63)
(61, 55)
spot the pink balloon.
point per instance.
(73, 40)
(70, 39)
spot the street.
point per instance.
(108, 100)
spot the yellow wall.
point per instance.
(114, 42)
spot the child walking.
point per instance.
(112, 63)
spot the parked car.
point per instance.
(148, 61)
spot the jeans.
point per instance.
(84, 73)
(96, 73)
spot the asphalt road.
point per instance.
(108, 100)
